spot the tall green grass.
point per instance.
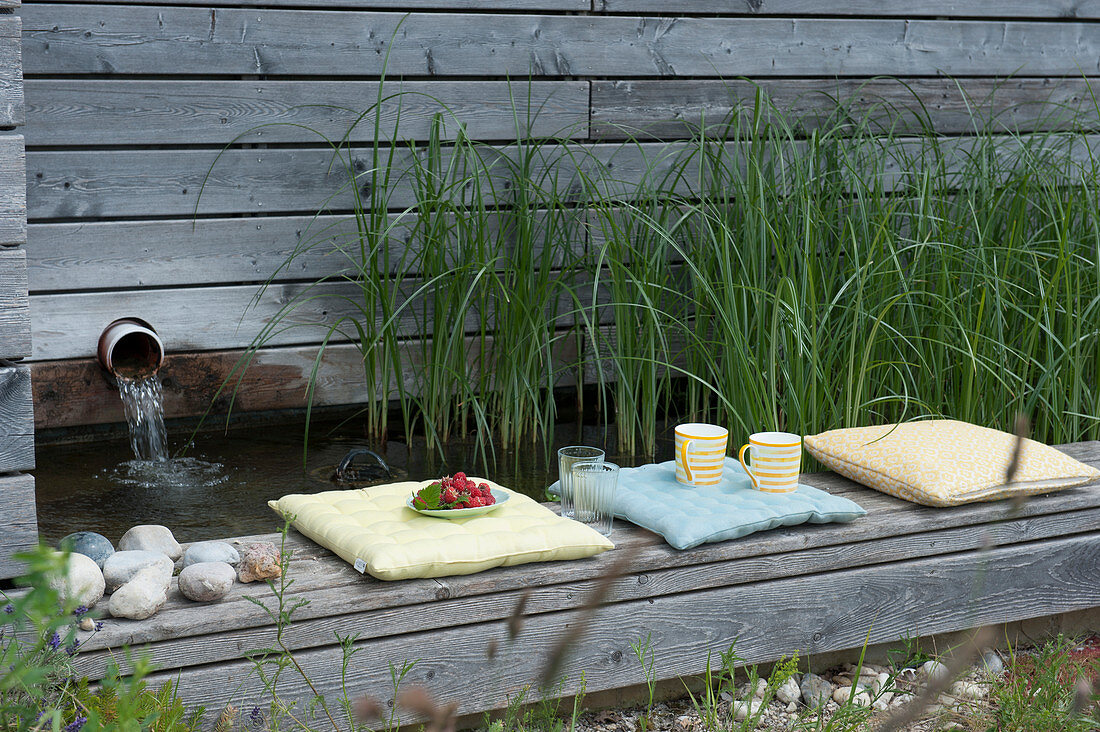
(767, 273)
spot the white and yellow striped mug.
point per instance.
(700, 452)
(776, 459)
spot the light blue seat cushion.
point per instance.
(687, 516)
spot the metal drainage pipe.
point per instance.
(131, 348)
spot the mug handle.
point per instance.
(685, 452)
(741, 457)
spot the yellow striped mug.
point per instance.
(776, 459)
(700, 452)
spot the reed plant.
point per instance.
(768, 272)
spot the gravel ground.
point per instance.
(876, 687)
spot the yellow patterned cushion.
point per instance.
(943, 462)
(375, 531)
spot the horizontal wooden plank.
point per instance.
(466, 5)
(13, 190)
(116, 40)
(674, 108)
(127, 254)
(108, 184)
(178, 650)
(77, 392)
(15, 318)
(20, 522)
(96, 112)
(1061, 9)
(11, 69)
(213, 318)
(16, 418)
(812, 614)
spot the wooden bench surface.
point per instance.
(902, 570)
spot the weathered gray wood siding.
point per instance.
(20, 526)
(128, 103)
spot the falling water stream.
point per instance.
(153, 466)
(143, 403)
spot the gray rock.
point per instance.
(210, 551)
(82, 582)
(991, 663)
(259, 561)
(121, 567)
(207, 581)
(151, 538)
(816, 691)
(143, 595)
(96, 546)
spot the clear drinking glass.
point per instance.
(567, 458)
(594, 494)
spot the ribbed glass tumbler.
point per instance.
(594, 487)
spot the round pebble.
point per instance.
(207, 581)
(151, 538)
(82, 583)
(121, 566)
(95, 546)
(143, 595)
(210, 551)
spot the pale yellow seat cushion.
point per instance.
(944, 462)
(374, 528)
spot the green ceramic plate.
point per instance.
(460, 513)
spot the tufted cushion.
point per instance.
(375, 531)
(944, 462)
(687, 516)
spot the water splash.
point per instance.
(143, 403)
(175, 473)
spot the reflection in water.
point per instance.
(221, 489)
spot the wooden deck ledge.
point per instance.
(902, 570)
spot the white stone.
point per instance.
(841, 694)
(207, 581)
(761, 688)
(792, 708)
(933, 670)
(87, 624)
(210, 551)
(743, 709)
(142, 596)
(880, 682)
(862, 699)
(788, 692)
(151, 538)
(121, 567)
(968, 690)
(82, 582)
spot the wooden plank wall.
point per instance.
(20, 530)
(128, 103)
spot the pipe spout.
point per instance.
(130, 348)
